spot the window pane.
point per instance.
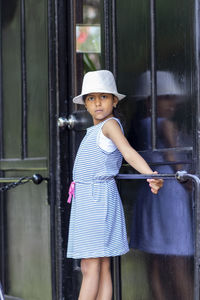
(133, 52)
(37, 77)
(174, 85)
(11, 61)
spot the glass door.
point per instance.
(149, 46)
(155, 70)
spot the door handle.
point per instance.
(79, 120)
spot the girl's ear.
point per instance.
(115, 101)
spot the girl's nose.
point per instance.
(98, 101)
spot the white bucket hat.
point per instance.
(101, 81)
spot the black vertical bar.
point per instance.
(197, 82)
(53, 140)
(107, 44)
(114, 38)
(1, 87)
(2, 216)
(196, 181)
(24, 81)
(197, 148)
(153, 74)
(197, 238)
(73, 67)
(109, 36)
(73, 46)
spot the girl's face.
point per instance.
(100, 106)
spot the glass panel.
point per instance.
(37, 77)
(11, 61)
(91, 11)
(88, 39)
(88, 16)
(161, 227)
(174, 62)
(133, 48)
(88, 33)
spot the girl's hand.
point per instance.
(155, 184)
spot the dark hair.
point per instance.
(117, 114)
(84, 97)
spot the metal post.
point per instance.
(196, 181)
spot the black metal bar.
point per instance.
(153, 74)
(114, 38)
(116, 277)
(142, 176)
(73, 47)
(23, 81)
(1, 87)
(196, 159)
(2, 208)
(53, 146)
(107, 44)
(196, 181)
(197, 83)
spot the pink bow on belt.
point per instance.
(71, 192)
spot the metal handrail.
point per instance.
(179, 175)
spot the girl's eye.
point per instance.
(103, 97)
(90, 98)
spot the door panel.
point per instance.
(24, 135)
(158, 124)
(156, 73)
(28, 270)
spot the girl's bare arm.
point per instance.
(112, 130)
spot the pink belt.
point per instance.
(71, 192)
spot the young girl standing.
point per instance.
(97, 228)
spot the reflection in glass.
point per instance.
(161, 227)
(173, 123)
(163, 224)
(91, 12)
(92, 16)
(88, 39)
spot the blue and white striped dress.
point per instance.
(97, 225)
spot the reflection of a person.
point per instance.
(162, 224)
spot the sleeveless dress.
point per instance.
(97, 224)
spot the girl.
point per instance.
(97, 227)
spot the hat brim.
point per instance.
(79, 99)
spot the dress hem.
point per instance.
(96, 255)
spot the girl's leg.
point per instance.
(105, 283)
(90, 268)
